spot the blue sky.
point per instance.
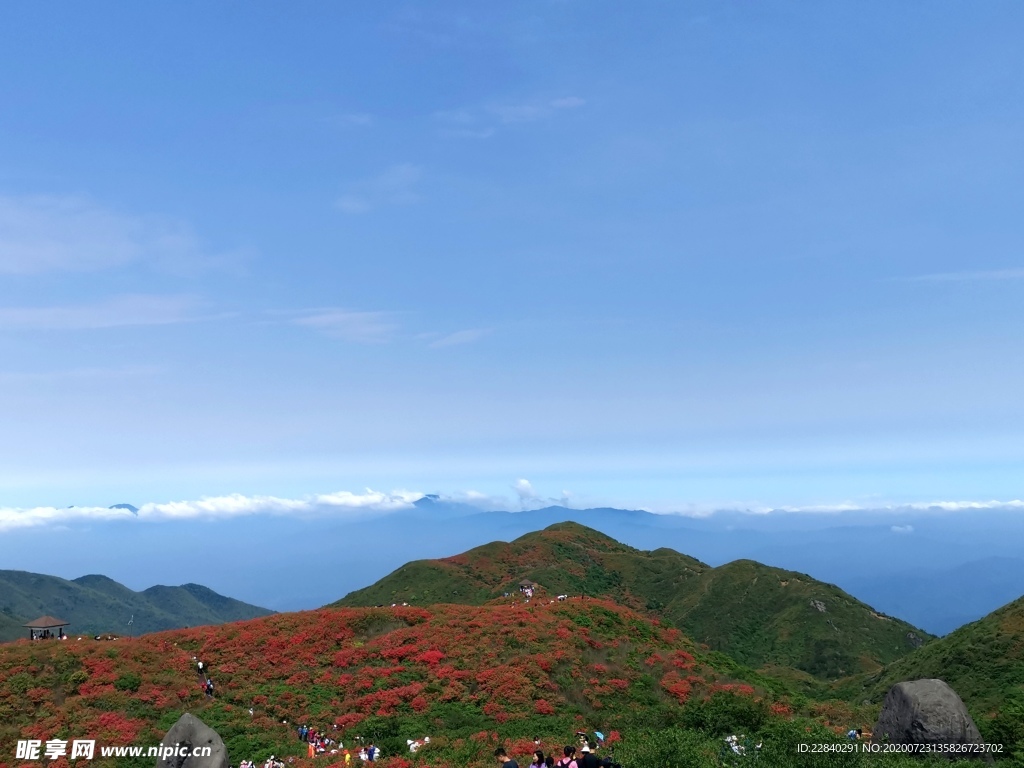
(659, 255)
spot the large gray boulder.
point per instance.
(927, 712)
(186, 735)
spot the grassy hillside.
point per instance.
(982, 661)
(756, 614)
(96, 604)
(470, 677)
(452, 668)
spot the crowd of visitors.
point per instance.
(571, 757)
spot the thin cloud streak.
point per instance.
(348, 325)
(958, 277)
(459, 337)
(78, 374)
(394, 186)
(478, 123)
(40, 234)
(214, 508)
(350, 505)
(116, 312)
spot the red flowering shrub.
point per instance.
(352, 667)
(543, 707)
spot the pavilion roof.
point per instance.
(46, 622)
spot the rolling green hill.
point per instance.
(757, 614)
(95, 604)
(470, 677)
(982, 661)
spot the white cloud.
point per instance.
(455, 116)
(78, 374)
(395, 186)
(568, 102)
(215, 508)
(530, 111)
(468, 133)
(478, 122)
(370, 502)
(529, 498)
(955, 277)
(460, 337)
(352, 204)
(120, 311)
(524, 490)
(918, 506)
(360, 327)
(353, 120)
(517, 113)
(71, 234)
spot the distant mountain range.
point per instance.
(463, 659)
(904, 563)
(755, 613)
(96, 604)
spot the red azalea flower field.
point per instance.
(468, 677)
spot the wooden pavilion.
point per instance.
(42, 628)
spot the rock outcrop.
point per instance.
(927, 712)
(185, 737)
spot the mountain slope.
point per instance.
(982, 661)
(451, 671)
(97, 604)
(758, 614)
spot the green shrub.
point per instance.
(724, 713)
(128, 681)
(669, 748)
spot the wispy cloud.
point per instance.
(359, 327)
(352, 120)
(371, 502)
(529, 111)
(71, 234)
(395, 186)
(459, 337)
(568, 102)
(127, 310)
(78, 374)
(918, 506)
(517, 113)
(214, 508)
(956, 277)
(480, 122)
(529, 498)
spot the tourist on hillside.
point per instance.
(549, 761)
(538, 758)
(372, 753)
(503, 759)
(587, 758)
(568, 758)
